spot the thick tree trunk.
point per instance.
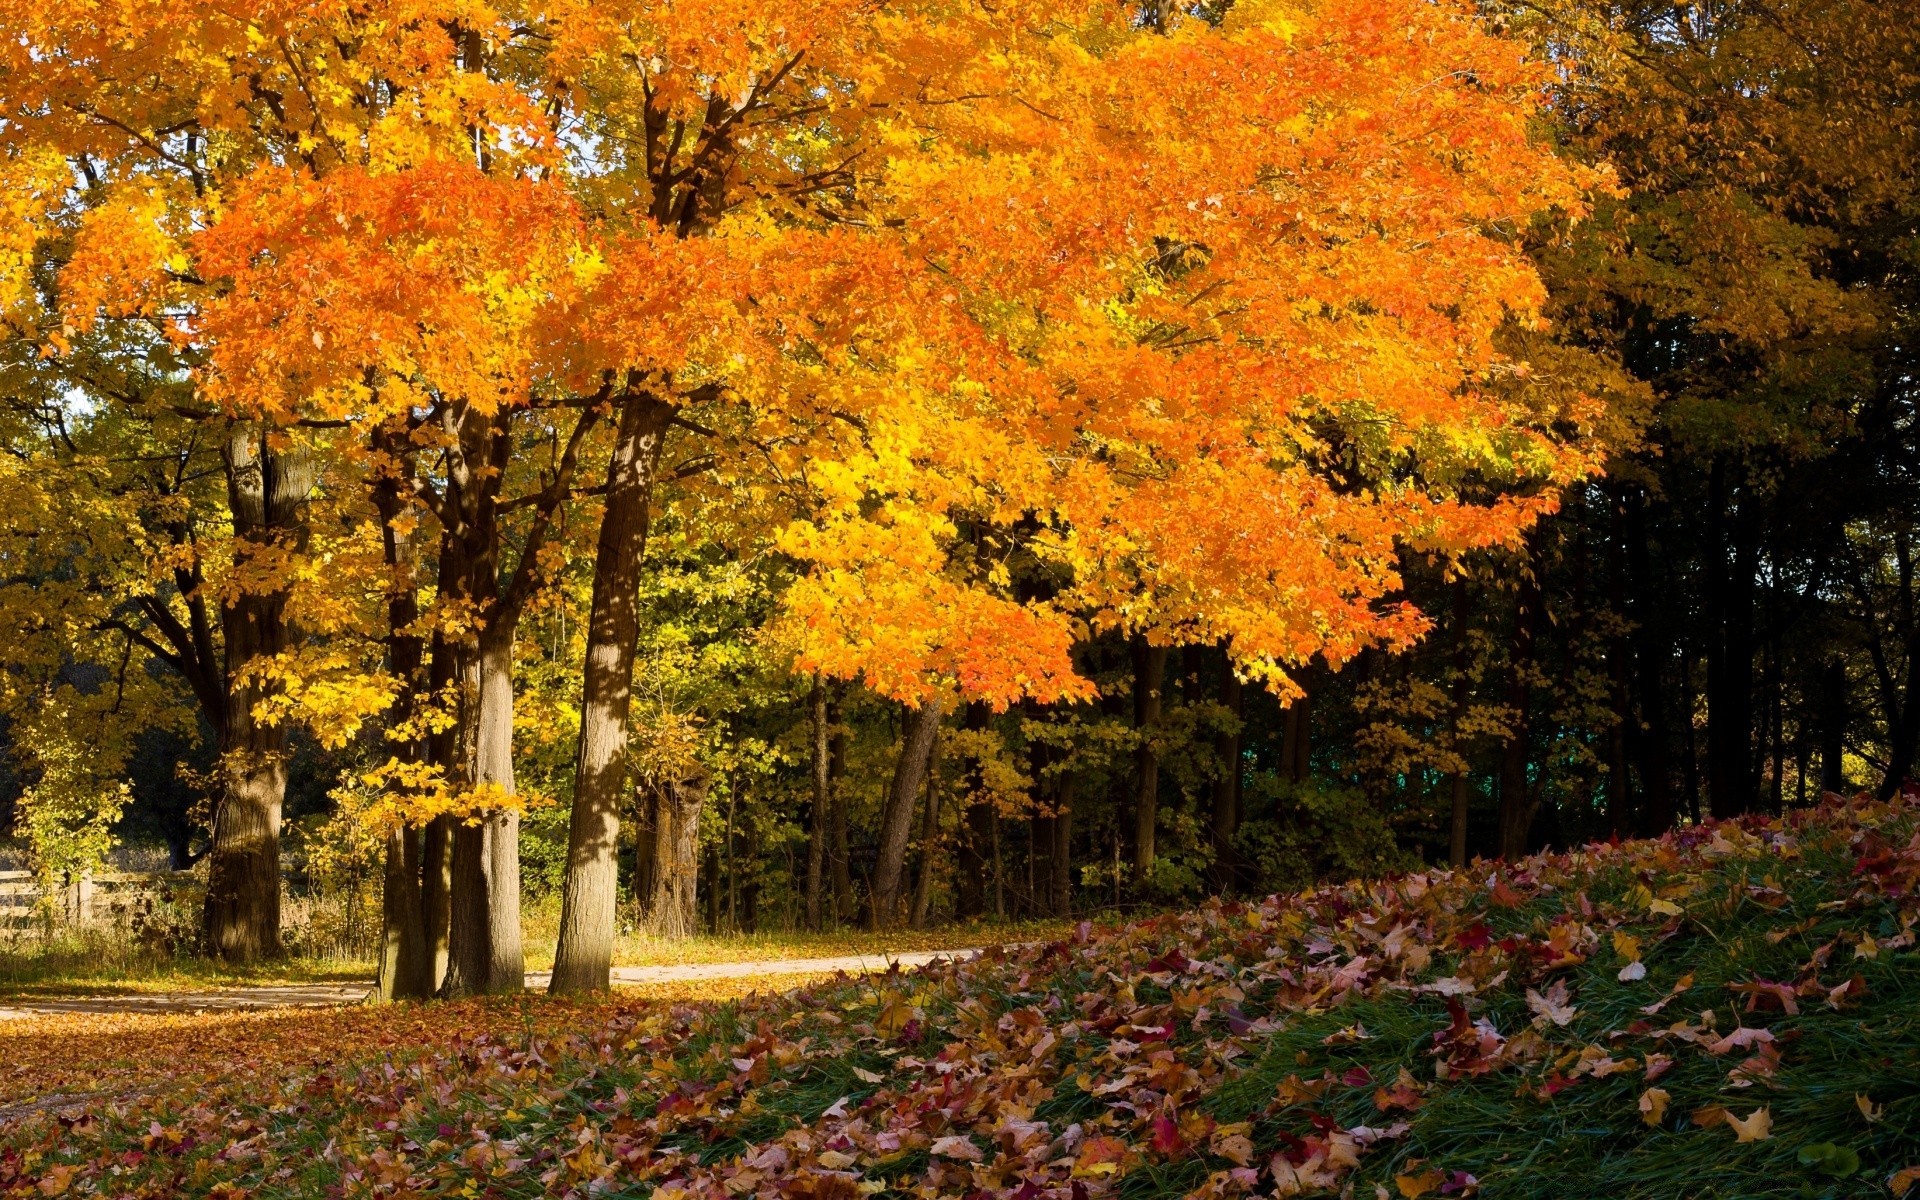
(405, 965)
(1227, 784)
(817, 829)
(584, 957)
(267, 492)
(1517, 804)
(896, 821)
(1149, 674)
(436, 897)
(670, 907)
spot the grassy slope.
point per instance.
(1151, 1061)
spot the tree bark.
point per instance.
(1149, 674)
(1061, 860)
(406, 963)
(896, 824)
(1227, 784)
(1731, 788)
(267, 491)
(1459, 790)
(1833, 727)
(840, 853)
(817, 830)
(670, 906)
(584, 957)
(1656, 773)
(1517, 804)
(929, 841)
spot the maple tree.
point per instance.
(1209, 372)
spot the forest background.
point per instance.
(282, 526)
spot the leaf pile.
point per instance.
(1732, 1011)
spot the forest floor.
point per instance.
(330, 995)
(1731, 1012)
(35, 972)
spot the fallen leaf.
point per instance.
(955, 1146)
(1653, 1105)
(1756, 1126)
(1420, 1183)
(1902, 1181)
(1633, 972)
(1553, 1006)
(1867, 1107)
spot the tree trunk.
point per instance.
(1731, 787)
(1296, 742)
(1061, 860)
(817, 829)
(841, 854)
(1650, 650)
(1149, 673)
(267, 492)
(406, 963)
(896, 823)
(1833, 727)
(1517, 804)
(671, 905)
(583, 959)
(1459, 790)
(1226, 785)
(929, 841)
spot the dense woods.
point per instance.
(717, 468)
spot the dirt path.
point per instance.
(330, 995)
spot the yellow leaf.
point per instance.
(1903, 1180)
(1626, 946)
(1426, 1181)
(1756, 1126)
(1653, 1105)
(1867, 1107)
(1665, 908)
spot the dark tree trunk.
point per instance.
(1730, 579)
(976, 829)
(817, 829)
(1833, 727)
(1656, 773)
(267, 492)
(896, 822)
(1296, 740)
(1459, 790)
(1149, 675)
(839, 851)
(406, 962)
(584, 957)
(929, 841)
(1061, 860)
(1227, 783)
(1517, 803)
(1621, 819)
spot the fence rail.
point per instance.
(102, 898)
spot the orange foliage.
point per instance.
(1199, 320)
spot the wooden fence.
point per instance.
(103, 898)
